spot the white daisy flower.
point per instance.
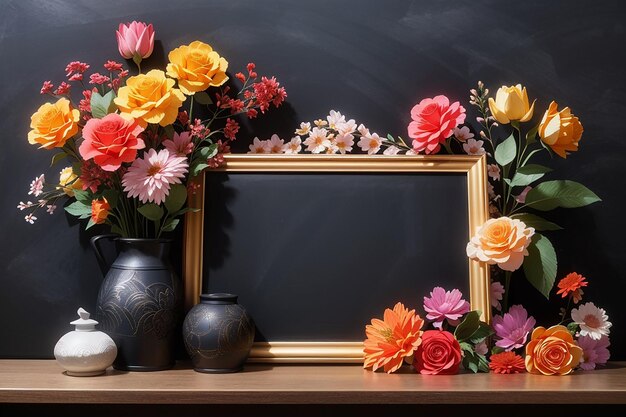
(293, 146)
(304, 130)
(344, 143)
(275, 144)
(370, 143)
(593, 321)
(346, 128)
(318, 140)
(334, 119)
(259, 146)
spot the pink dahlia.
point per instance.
(180, 145)
(149, 178)
(513, 328)
(595, 352)
(434, 121)
(443, 305)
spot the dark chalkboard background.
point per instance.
(371, 60)
(316, 256)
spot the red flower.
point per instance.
(434, 120)
(110, 141)
(47, 87)
(76, 67)
(98, 79)
(231, 129)
(113, 66)
(240, 77)
(439, 354)
(507, 363)
(571, 284)
(63, 89)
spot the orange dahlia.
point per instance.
(571, 284)
(507, 363)
(391, 340)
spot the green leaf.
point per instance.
(90, 223)
(573, 328)
(176, 198)
(536, 222)
(112, 197)
(466, 347)
(483, 332)
(472, 366)
(483, 365)
(102, 105)
(77, 168)
(197, 169)
(78, 209)
(540, 264)
(169, 131)
(208, 152)
(528, 174)
(203, 98)
(57, 157)
(151, 211)
(531, 136)
(391, 138)
(117, 230)
(170, 225)
(506, 151)
(496, 349)
(560, 193)
(468, 326)
(83, 196)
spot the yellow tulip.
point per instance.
(560, 130)
(511, 104)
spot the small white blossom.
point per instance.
(36, 186)
(392, 150)
(474, 147)
(293, 146)
(259, 146)
(30, 218)
(50, 208)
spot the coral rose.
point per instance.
(150, 98)
(99, 210)
(69, 181)
(53, 124)
(391, 340)
(503, 241)
(439, 354)
(560, 130)
(511, 104)
(434, 121)
(135, 40)
(110, 141)
(197, 67)
(552, 351)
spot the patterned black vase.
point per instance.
(218, 334)
(139, 303)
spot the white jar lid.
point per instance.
(84, 323)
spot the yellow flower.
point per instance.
(150, 98)
(511, 104)
(560, 130)
(69, 181)
(197, 67)
(552, 351)
(53, 124)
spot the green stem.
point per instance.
(191, 109)
(507, 285)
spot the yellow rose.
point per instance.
(511, 104)
(53, 124)
(552, 351)
(69, 181)
(197, 67)
(503, 241)
(560, 130)
(150, 98)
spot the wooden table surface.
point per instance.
(42, 381)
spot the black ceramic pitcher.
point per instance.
(139, 302)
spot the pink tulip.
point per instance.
(135, 40)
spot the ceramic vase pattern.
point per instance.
(139, 305)
(218, 334)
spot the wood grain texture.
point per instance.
(37, 381)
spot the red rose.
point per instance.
(434, 120)
(439, 354)
(110, 141)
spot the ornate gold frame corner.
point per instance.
(337, 352)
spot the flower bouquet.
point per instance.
(134, 141)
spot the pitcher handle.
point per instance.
(95, 244)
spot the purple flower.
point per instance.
(443, 305)
(595, 352)
(513, 328)
(497, 290)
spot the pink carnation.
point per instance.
(595, 352)
(443, 305)
(149, 178)
(434, 121)
(513, 328)
(180, 144)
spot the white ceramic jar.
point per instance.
(85, 351)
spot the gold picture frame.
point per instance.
(338, 352)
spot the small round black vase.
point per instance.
(218, 334)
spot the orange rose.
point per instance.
(197, 67)
(560, 130)
(501, 241)
(99, 210)
(53, 124)
(552, 351)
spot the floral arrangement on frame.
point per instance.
(133, 140)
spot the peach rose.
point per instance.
(560, 130)
(503, 241)
(511, 103)
(110, 141)
(53, 124)
(197, 67)
(434, 121)
(552, 351)
(150, 98)
(99, 210)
